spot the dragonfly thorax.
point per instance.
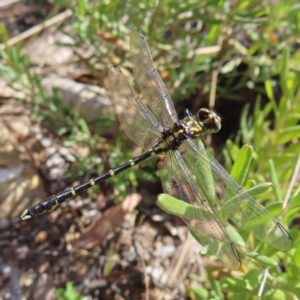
(195, 127)
(192, 128)
(206, 121)
(172, 138)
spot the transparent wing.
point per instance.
(177, 180)
(233, 202)
(150, 82)
(136, 119)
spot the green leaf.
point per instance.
(253, 278)
(284, 69)
(275, 180)
(288, 134)
(275, 208)
(248, 19)
(259, 189)
(239, 47)
(228, 161)
(250, 184)
(180, 208)
(269, 90)
(233, 149)
(235, 236)
(200, 292)
(231, 65)
(4, 34)
(241, 164)
(276, 294)
(216, 287)
(294, 270)
(205, 249)
(81, 7)
(236, 285)
(265, 260)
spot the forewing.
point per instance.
(234, 203)
(178, 182)
(136, 119)
(149, 80)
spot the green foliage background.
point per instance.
(258, 54)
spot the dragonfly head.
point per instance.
(209, 120)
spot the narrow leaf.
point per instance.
(180, 208)
(235, 236)
(231, 65)
(259, 189)
(275, 208)
(241, 164)
(269, 90)
(284, 69)
(288, 134)
(200, 292)
(265, 260)
(237, 285)
(275, 180)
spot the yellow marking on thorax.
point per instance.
(132, 163)
(112, 173)
(92, 182)
(170, 139)
(73, 192)
(167, 142)
(193, 128)
(162, 145)
(178, 133)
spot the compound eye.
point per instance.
(215, 123)
(203, 114)
(210, 119)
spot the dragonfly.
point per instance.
(152, 123)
